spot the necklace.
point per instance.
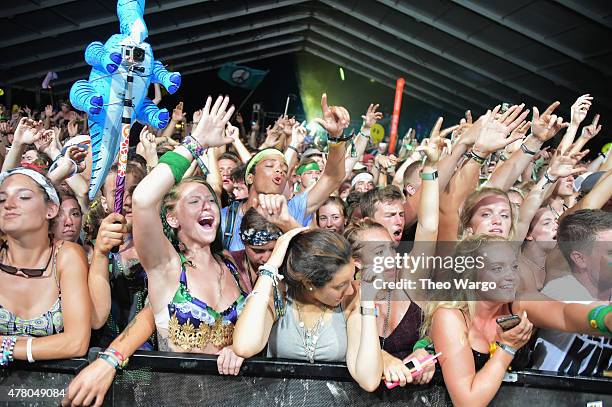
(310, 337)
(386, 322)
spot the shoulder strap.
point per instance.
(230, 222)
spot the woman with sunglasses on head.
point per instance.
(44, 306)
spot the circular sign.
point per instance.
(606, 147)
(240, 75)
(377, 132)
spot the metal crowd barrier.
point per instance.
(176, 379)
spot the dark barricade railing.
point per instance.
(173, 379)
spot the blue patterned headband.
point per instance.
(254, 237)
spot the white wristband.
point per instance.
(29, 350)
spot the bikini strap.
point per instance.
(232, 268)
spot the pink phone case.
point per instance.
(415, 373)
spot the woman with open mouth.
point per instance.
(477, 348)
(195, 295)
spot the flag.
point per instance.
(241, 76)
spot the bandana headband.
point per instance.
(36, 177)
(254, 237)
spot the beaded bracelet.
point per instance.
(8, 347)
(123, 361)
(197, 151)
(272, 272)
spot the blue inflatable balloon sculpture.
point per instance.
(102, 96)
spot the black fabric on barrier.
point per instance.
(171, 379)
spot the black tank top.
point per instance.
(401, 340)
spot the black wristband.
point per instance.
(526, 150)
(294, 149)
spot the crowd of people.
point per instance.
(259, 243)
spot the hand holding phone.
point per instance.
(416, 368)
(508, 322)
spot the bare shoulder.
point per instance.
(449, 319)
(69, 252)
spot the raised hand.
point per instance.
(49, 111)
(44, 142)
(147, 139)
(280, 249)
(564, 164)
(210, 131)
(298, 134)
(73, 128)
(6, 128)
(593, 129)
(335, 118)
(545, 126)
(464, 125)
(495, 129)
(197, 115)
(78, 155)
(580, 109)
(177, 113)
(371, 117)
(433, 149)
(232, 131)
(28, 131)
(385, 162)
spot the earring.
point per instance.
(309, 288)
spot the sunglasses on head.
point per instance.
(28, 272)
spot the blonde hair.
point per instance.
(462, 299)
(353, 234)
(471, 205)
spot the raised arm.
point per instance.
(580, 109)
(27, 132)
(253, 328)
(361, 141)
(298, 133)
(153, 248)
(588, 132)
(335, 120)
(562, 165)
(234, 133)
(597, 198)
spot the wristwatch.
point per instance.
(429, 176)
(369, 311)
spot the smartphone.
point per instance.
(508, 322)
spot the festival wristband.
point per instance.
(527, 150)
(123, 361)
(429, 176)
(549, 179)
(597, 318)
(111, 360)
(197, 151)
(177, 163)
(480, 160)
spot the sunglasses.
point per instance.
(28, 272)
